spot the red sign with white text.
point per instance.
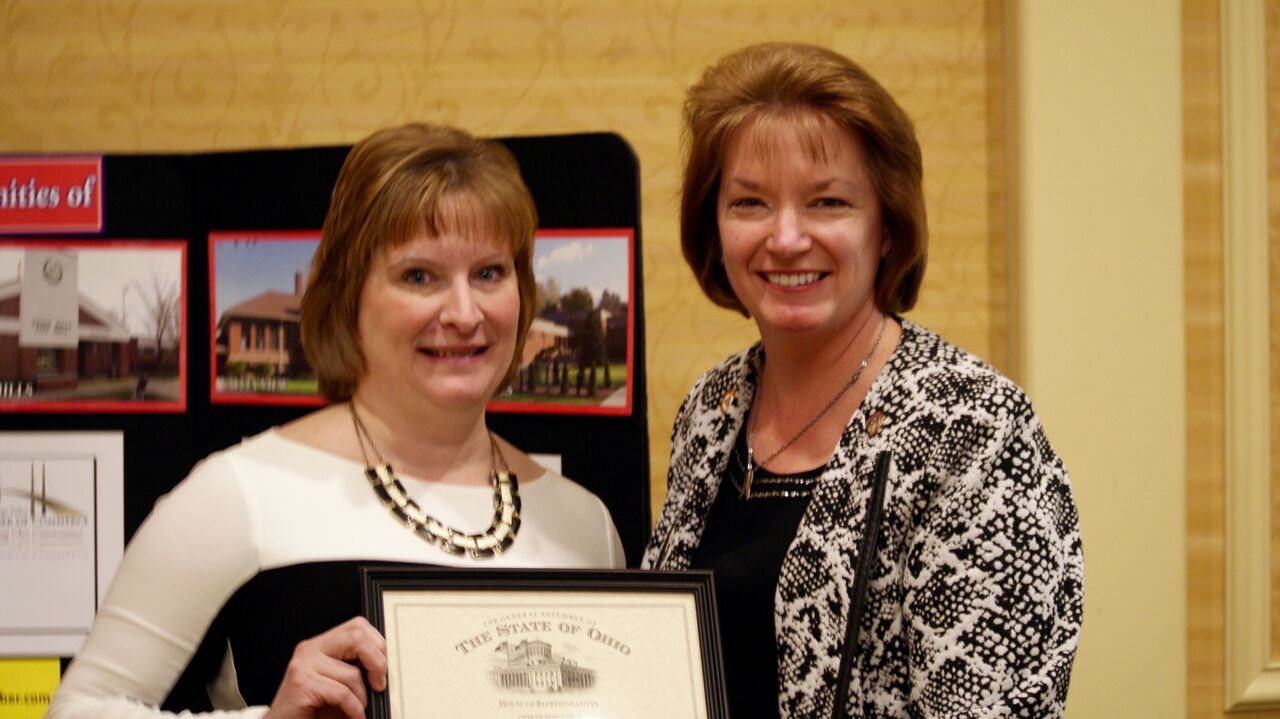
(50, 194)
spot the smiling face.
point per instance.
(800, 228)
(438, 320)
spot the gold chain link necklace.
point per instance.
(493, 541)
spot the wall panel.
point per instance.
(1233, 355)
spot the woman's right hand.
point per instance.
(324, 677)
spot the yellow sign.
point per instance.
(26, 686)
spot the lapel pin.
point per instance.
(874, 423)
(727, 399)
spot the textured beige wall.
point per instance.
(159, 75)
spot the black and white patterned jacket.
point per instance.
(975, 591)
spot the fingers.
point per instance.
(367, 646)
(304, 694)
(325, 676)
(357, 640)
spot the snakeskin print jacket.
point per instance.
(968, 592)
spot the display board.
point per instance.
(183, 390)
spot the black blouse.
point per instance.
(744, 543)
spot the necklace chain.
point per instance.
(791, 486)
(493, 541)
(752, 464)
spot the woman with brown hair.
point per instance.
(245, 577)
(891, 533)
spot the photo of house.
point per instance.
(257, 282)
(93, 327)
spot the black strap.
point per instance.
(870, 538)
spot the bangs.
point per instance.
(778, 132)
(474, 218)
(482, 210)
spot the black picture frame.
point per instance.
(585, 642)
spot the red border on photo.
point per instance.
(553, 407)
(227, 397)
(179, 405)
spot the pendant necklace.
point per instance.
(752, 464)
(493, 541)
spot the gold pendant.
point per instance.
(751, 474)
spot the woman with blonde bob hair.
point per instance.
(247, 573)
(891, 533)
(478, 192)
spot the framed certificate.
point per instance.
(535, 644)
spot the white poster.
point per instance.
(61, 536)
(49, 313)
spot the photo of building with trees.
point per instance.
(578, 354)
(116, 340)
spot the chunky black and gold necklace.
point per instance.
(493, 541)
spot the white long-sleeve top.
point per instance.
(259, 548)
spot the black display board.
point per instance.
(577, 181)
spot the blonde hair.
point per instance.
(393, 184)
